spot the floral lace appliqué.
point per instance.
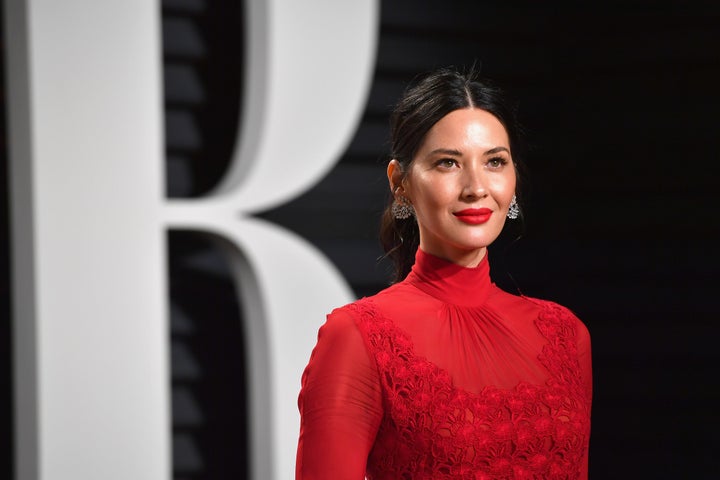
(434, 430)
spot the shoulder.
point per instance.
(379, 318)
(352, 312)
(545, 311)
(384, 303)
(348, 319)
(342, 330)
(561, 317)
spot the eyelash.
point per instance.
(443, 162)
(499, 161)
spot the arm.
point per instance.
(340, 405)
(585, 359)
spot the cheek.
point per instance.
(504, 189)
(428, 193)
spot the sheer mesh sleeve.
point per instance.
(340, 404)
(585, 360)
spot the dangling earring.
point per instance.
(513, 209)
(401, 208)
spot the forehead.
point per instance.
(467, 127)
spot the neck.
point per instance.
(463, 258)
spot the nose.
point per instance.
(473, 186)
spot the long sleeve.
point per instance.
(340, 405)
(585, 360)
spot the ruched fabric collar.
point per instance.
(449, 282)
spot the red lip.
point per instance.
(474, 216)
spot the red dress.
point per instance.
(445, 376)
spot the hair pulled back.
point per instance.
(424, 103)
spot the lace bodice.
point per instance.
(434, 430)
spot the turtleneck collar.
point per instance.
(449, 282)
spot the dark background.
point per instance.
(620, 106)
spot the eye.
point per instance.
(497, 162)
(446, 163)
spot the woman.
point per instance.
(443, 375)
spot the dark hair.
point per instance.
(423, 104)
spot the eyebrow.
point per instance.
(495, 150)
(450, 151)
(446, 151)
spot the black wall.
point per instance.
(619, 104)
(620, 108)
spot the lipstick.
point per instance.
(474, 216)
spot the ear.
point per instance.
(395, 176)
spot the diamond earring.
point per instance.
(401, 208)
(513, 209)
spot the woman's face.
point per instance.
(460, 183)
